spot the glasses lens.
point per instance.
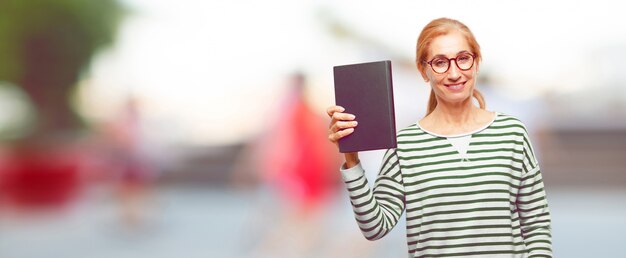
(440, 65)
(465, 61)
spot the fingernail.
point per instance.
(341, 109)
(352, 116)
(356, 123)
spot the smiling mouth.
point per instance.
(456, 86)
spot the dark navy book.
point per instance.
(366, 90)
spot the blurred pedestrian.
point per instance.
(134, 173)
(296, 169)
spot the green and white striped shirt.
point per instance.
(487, 203)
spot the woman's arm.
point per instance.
(377, 211)
(533, 208)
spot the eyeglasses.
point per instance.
(464, 61)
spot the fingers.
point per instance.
(334, 137)
(341, 124)
(332, 109)
(342, 116)
(335, 112)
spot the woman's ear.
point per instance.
(424, 76)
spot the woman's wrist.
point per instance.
(352, 159)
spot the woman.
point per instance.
(467, 177)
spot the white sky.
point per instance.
(210, 72)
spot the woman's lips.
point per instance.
(455, 86)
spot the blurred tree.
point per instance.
(45, 45)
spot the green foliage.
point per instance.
(76, 29)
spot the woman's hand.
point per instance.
(342, 125)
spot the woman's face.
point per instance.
(454, 85)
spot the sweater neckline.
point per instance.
(461, 134)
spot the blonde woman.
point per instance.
(466, 177)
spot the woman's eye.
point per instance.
(440, 63)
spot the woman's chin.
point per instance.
(457, 98)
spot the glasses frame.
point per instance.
(450, 63)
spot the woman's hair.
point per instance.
(436, 28)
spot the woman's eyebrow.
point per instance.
(458, 53)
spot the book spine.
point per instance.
(392, 106)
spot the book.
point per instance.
(366, 90)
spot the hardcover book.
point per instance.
(366, 90)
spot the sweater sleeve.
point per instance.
(377, 211)
(533, 206)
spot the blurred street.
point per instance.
(197, 222)
(199, 214)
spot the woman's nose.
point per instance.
(453, 72)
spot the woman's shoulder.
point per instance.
(508, 121)
(411, 130)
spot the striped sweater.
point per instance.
(490, 203)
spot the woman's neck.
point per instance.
(455, 114)
(453, 119)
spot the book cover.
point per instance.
(366, 90)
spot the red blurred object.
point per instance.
(41, 177)
(296, 156)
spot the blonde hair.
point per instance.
(436, 28)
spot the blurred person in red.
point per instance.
(296, 158)
(293, 156)
(295, 161)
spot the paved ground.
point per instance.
(203, 222)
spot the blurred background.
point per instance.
(151, 128)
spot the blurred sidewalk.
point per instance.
(203, 222)
(195, 213)
(187, 222)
